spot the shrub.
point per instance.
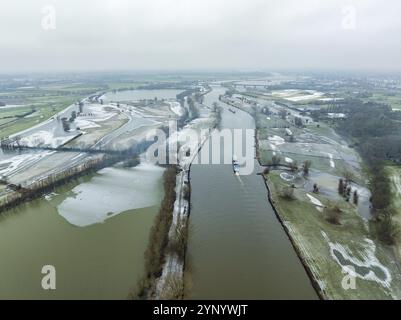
(306, 167)
(333, 214)
(294, 166)
(158, 237)
(178, 242)
(287, 193)
(276, 160)
(388, 230)
(341, 187)
(187, 192)
(173, 288)
(356, 197)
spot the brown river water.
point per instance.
(237, 247)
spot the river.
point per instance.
(237, 247)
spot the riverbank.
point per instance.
(329, 251)
(171, 284)
(165, 257)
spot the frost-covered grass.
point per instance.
(306, 224)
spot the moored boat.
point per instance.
(235, 164)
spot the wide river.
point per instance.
(237, 247)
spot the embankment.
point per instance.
(291, 236)
(165, 256)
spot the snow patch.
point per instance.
(276, 140)
(176, 108)
(369, 261)
(332, 163)
(45, 138)
(288, 160)
(9, 166)
(50, 196)
(314, 200)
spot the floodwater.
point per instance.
(97, 261)
(237, 248)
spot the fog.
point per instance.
(66, 35)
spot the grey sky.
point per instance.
(200, 34)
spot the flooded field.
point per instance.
(98, 261)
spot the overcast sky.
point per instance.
(199, 35)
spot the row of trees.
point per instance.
(193, 109)
(158, 238)
(345, 190)
(42, 186)
(375, 128)
(293, 166)
(217, 110)
(376, 131)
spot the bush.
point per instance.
(341, 187)
(187, 192)
(333, 214)
(294, 166)
(179, 241)
(158, 238)
(380, 188)
(306, 167)
(388, 230)
(287, 193)
(348, 176)
(131, 162)
(276, 160)
(356, 197)
(173, 288)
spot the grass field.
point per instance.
(315, 237)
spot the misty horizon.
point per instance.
(199, 36)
